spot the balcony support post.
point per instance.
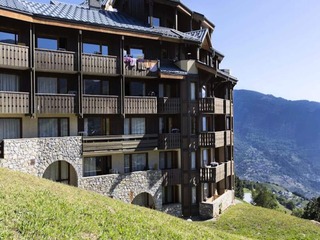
(122, 77)
(80, 75)
(33, 104)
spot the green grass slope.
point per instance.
(34, 208)
(261, 223)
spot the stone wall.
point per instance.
(127, 186)
(214, 209)
(174, 209)
(34, 155)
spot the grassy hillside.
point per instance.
(33, 208)
(261, 223)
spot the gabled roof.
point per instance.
(82, 14)
(199, 34)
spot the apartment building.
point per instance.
(123, 97)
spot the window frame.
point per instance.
(16, 36)
(129, 169)
(59, 125)
(106, 171)
(20, 127)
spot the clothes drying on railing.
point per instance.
(141, 64)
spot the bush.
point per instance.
(238, 187)
(312, 210)
(264, 198)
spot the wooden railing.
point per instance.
(171, 177)
(219, 106)
(14, 102)
(228, 105)
(14, 55)
(95, 63)
(140, 105)
(169, 105)
(105, 144)
(206, 139)
(54, 60)
(212, 174)
(219, 139)
(141, 67)
(169, 140)
(229, 168)
(206, 105)
(55, 103)
(229, 139)
(97, 104)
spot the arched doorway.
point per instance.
(144, 200)
(63, 172)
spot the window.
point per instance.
(10, 128)
(92, 48)
(47, 43)
(96, 87)
(228, 125)
(52, 85)
(94, 166)
(155, 21)
(136, 53)
(170, 194)
(205, 187)
(193, 91)
(136, 89)
(134, 126)
(7, 37)
(9, 82)
(95, 126)
(193, 195)
(193, 160)
(205, 157)
(53, 127)
(135, 162)
(168, 160)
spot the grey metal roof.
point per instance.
(82, 14)
(171, 68)
(198, 34)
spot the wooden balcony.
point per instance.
(14, 103)
(206, 105)
(219, 106)
(212, 174)
(169, 141)
(55, 103)
(206, 139)
(171, 177)
(99, 64)
(229, 138)
(54, 60)
(14, 56)
(140, 105)
(229, 168)
(169, 105)
(214, 105)
(219, 139)
(101, 145)
(228, 106)
(97, 104)
(141, 67)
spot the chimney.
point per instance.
(95, 4)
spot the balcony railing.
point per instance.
(14, 55)
(55, 60)
(104, 144)
(212, 174)
(219, 141)
(97, 104)
(140, 67)
(228, 105)
(169, 105)
(229, 136)
(169, 141)
(229, 168)
(206, 139)
(140, 105)
(206, 104)
(171, 177)
(218, 106)
(14, 102)
(95, 63)
(214, 105)
(55, 103)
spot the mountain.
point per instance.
(278, 141)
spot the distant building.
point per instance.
(125, 98)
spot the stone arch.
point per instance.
(144, 199)
(63, 172)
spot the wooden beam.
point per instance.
(170, 76)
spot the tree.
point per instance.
(238, 187)
(264, 198)
(312, 210)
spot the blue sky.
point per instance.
(271, 46)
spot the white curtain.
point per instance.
(48, 127)
(126, 127)
(138, 126)
(139, 162)
(126, 163)
(64, 129)
(47, 85)
(90, 167)
(205, 157)
(10, 128)
(9, 82)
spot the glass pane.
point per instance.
(126, 126)
(193, 91)
(193, 160)
(126, 163)
(204, 124)
(47, 43)
(205, 157)
(105, 87)
(47, 85)
(91, 48)
(139, 162)
(10, 128)
(95, 126)
(63, 86)
(9, 82)
(89, 167)
(162, 160)
(64, 127)
(48, 127)
(137, 89)
(136, 53)
(92, 86)
(6, 37)
(194, 195)
(138, 126)
(64, 170)
(105, 50)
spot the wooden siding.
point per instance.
(94, 63)
(206, 139)
(219, 139)
(212, 174)
(54, 60)
(55, 103)
(96, 145)
(14, 102)
(169, 141)
(140, 105)
(14, 55)
(169, 105)
(142, 68)
(171, 177)
(97, 104)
